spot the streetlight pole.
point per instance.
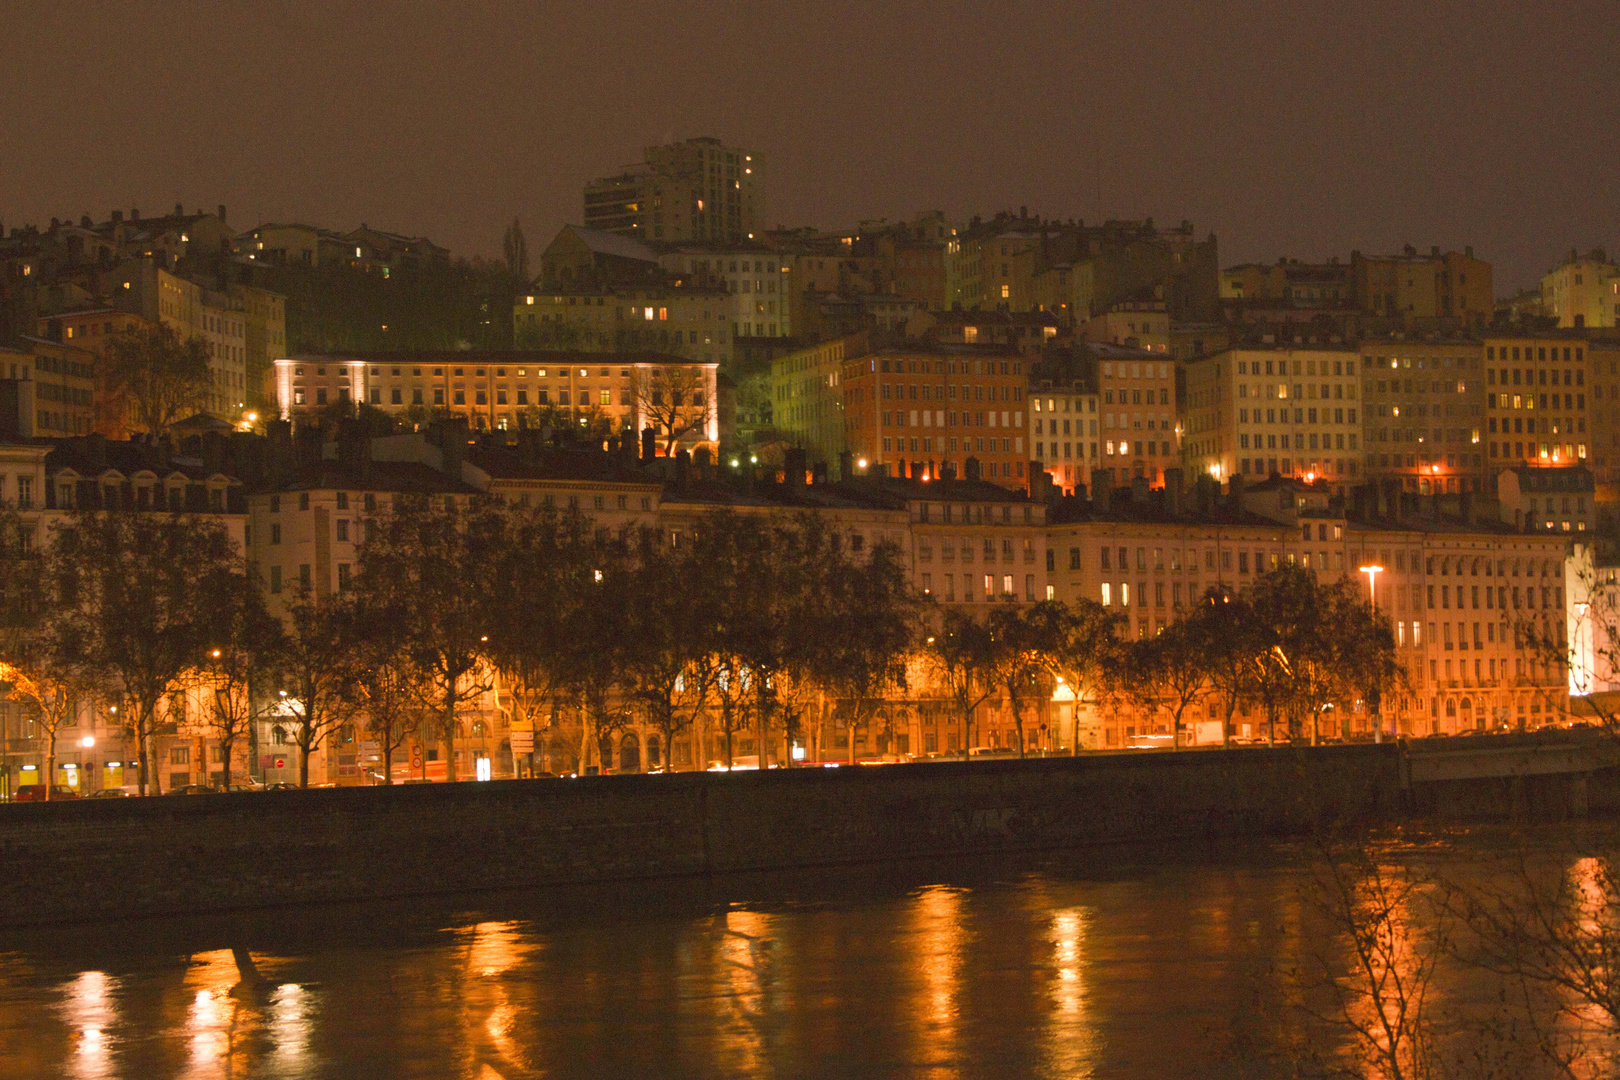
(1372, 570)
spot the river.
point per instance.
(1108, 963)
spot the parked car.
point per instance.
(109, 793)
(194, 789)
(278, 786)
(240, 787)
(36, 793)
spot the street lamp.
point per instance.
(1372, 570)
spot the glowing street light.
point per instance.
(1372, 570)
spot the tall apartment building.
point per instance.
(1293, 412)
(1603, 415)
(1063, 418)
(1415, 287)
(219, 319)
(1535, 399)
(1424, 421)
(264, 317)
(1583, 292)
(1024, 263)
(1139, 427)
(807, 395)
(929, 410)
(696, 190)
(1291, 282)
(758, 279)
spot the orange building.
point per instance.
(93, 330)
(934, 409)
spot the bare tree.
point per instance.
(669, 662)
(962, 655)
(1396, 936)
(135, 599)
(431, 564)
(162, 378)
(673, 400)
(317, 668)
(235, 673)
(1171, 672)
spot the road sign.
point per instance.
(281, 763)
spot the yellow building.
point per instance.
(1424, 419)
(690, 322)
(1535, 400)
(1290, 411)
(807, 397)
(1583, 292)
(1416, 287)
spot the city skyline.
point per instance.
(1443, 131)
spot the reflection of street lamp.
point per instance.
(1372, 571)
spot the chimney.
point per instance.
(452, 439)
(354, 447)
(307, 439)
(793, 468)
(1208, 494)
(213, 452)
(530, 443)
(972, 466)
(1434, 251)
(818, 473)
(1101, 481)
(117, 216)
(134, 213)
(179, 211)
(1172, 492)
(649, 445)
(846, 465)
(1139, 491)
(1234, 491)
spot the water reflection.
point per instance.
(1051, 968)
(937, 940)
(1068, 1040)
(87, 1009)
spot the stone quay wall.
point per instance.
(97, 859)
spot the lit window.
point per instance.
(1006, 291)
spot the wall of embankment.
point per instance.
(95, 859)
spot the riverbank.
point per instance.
(92, 860)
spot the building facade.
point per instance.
(696, 190)
(1535, 400)
(1286, 411)
(931, 410)
(1424, 424)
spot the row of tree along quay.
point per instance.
(765, 629)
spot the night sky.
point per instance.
(1301, 129)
